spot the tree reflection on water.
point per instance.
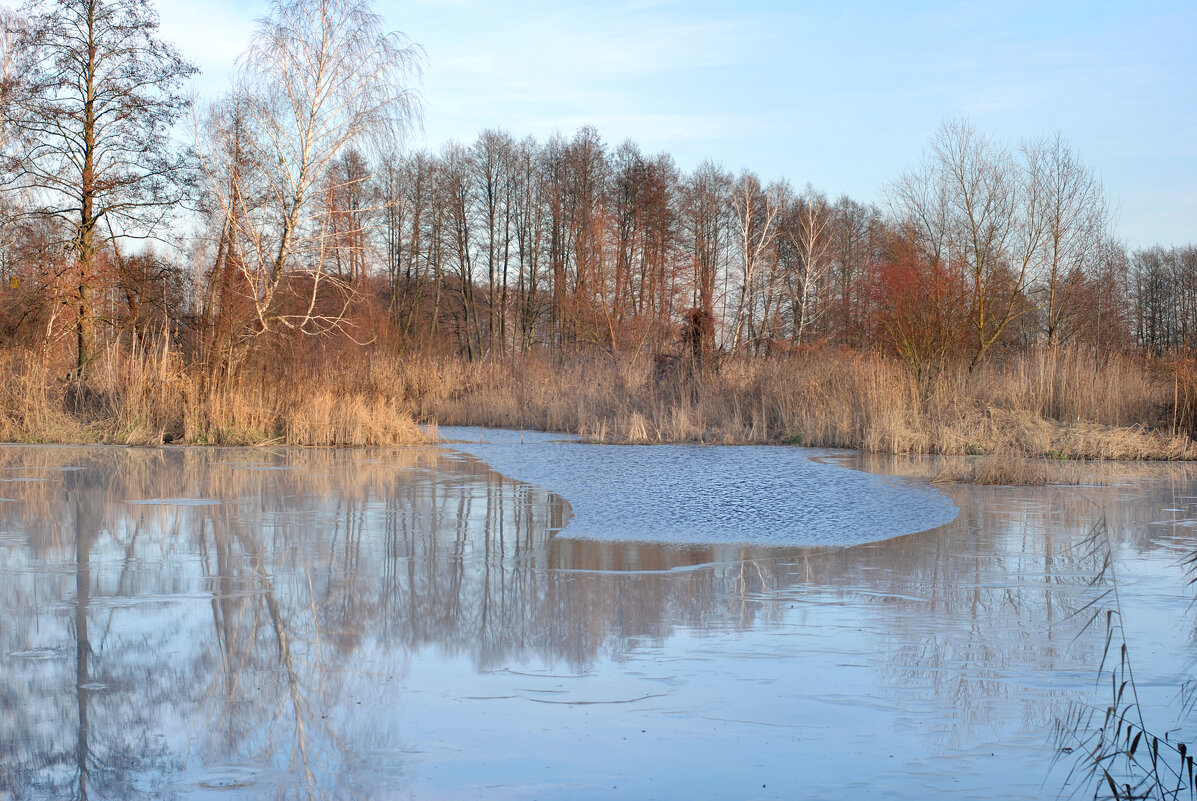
(187, 619)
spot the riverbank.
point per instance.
(152, 398)
(1059, 405)
(1048, 407)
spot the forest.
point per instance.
(276, 266)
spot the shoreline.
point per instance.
(1029, 420)
(935, 469)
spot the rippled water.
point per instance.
(220, 624)
(702, 494)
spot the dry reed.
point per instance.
(1011, 470)
(1059, 405)
(148, 397)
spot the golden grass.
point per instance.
(1060, 405)
(1008, 470)
(150, 397)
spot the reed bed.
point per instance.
(149, 397)
(1059, 405)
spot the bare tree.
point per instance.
(455, 196)
(351, 202)
(642, 218)
(321, 77)
(1163, 292)
(756, 210)
(10, 70)
(528, 216)
(1075, 221)
(491, 158)
(857, 232)
(974, 202)
(98, 95)
(584, 189)
(805, 233)
(707, 227)
(408, 203)
(11, 73)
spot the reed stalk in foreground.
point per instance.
(1115, 750)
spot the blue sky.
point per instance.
(843, 95)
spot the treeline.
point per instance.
(295, 222)
(506, 244)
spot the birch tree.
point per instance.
(756, 209)
(321, 77)
(807, 236)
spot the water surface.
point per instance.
(691, 494)
(219, 624)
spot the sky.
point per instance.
(844, 96)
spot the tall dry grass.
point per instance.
(148, 396)
(1062, 404)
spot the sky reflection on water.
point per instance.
(186, 623)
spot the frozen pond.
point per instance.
(247, 623)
